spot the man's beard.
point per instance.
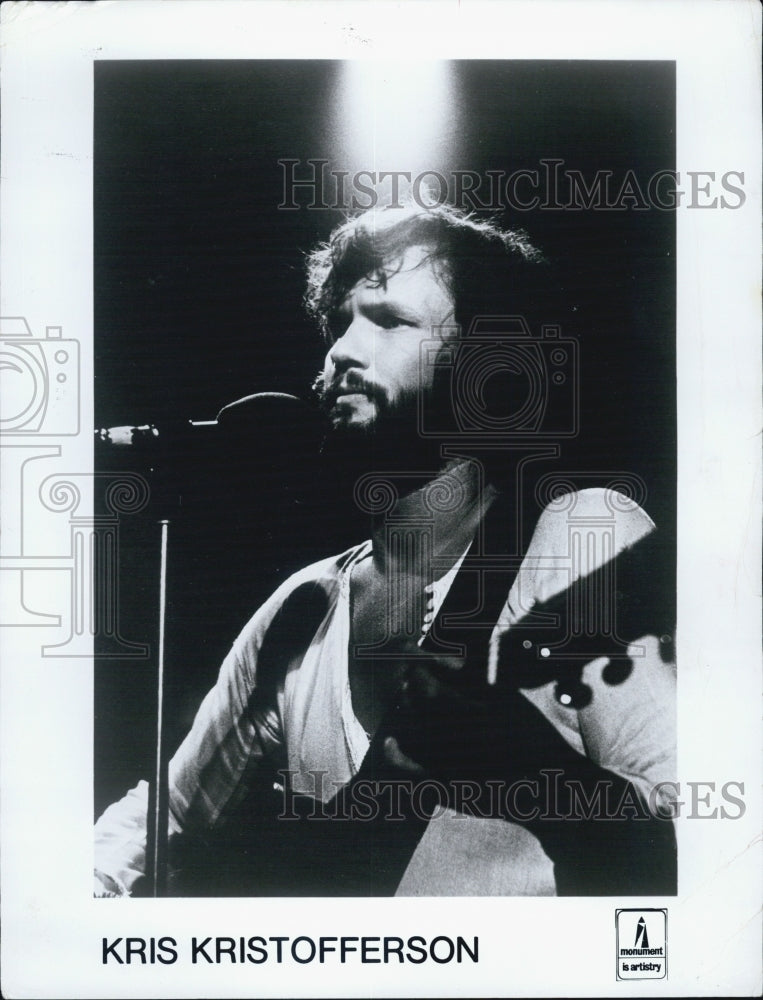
(328, 393)
(390, 439)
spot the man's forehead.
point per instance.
(415, 274)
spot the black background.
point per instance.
(198, 285)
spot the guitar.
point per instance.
(339, 848)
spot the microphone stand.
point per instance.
(146, 439)
(157, 816)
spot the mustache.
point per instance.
(329, 388)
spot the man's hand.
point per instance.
(455, 734)
(105, 887)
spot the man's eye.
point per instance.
(391, 321)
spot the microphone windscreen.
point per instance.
(274, 419)
(244, 408)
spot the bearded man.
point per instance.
(429, 734)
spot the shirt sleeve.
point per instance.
(230, 734)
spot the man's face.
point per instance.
(374, 370)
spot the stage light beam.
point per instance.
(395, 117)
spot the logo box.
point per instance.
(641, 941)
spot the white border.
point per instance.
(529, 947)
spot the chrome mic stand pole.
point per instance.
(158, 798)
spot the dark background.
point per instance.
(198, 286)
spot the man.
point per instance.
(401, 689)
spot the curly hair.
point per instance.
(486, 269)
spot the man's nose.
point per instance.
(354, 348)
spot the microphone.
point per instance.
(247, 415)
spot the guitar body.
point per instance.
(277, 844)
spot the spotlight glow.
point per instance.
(395, 116)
